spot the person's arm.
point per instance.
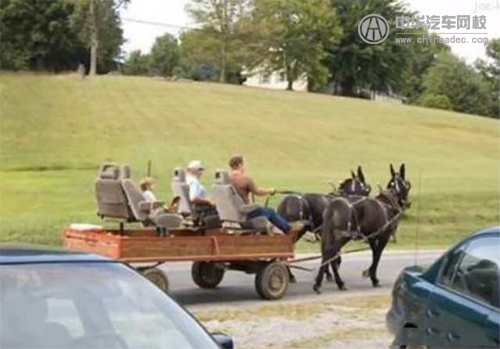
(203, 201)
(253, 188)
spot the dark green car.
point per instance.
(453, 303)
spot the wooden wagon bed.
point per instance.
(212, 253)
(144, 245)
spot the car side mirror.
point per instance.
(223, 340)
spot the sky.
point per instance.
(141, 36)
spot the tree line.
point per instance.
(316, 38)
(58, 35)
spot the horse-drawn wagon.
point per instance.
(240, 244)
(235, 242)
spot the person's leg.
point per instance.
(276, 219)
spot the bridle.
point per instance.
(364, 189)
(401, 187)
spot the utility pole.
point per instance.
(94, 43)
(224, 32)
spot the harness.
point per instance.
(353, 219)
(303, 205)
(376, 233)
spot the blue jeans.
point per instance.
(273, 217)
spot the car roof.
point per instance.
(23, 254)
(487, 231)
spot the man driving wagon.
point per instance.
(245, 186)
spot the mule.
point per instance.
(309, 207)
(372, 219)
(398, 182)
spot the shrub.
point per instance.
(436, 101)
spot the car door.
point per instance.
(466, 294)
(492, 327)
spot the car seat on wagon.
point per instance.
(231, 208)
(180, 190)
(148, 213)
(111, 199)
(119, 198)
(194, 215)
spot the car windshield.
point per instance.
(90, 305)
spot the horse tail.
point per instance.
(333, 219)
(328, 228)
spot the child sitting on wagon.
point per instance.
(147, 185)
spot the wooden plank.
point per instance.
(171, 247)
(99, 247)
(144, 245)
(211, 258)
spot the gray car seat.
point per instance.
(111, 199)
(194, 215)
(180, 189)
(119, 198)
(146, 212)
(231, 208)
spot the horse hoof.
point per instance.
(317, 289)
(329, 278)
(365, 273)
(343, 288)
(375, 284)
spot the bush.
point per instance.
(436, 101)
(450, 76)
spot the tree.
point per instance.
(164, 55)
(462, 85)
(355, 64)
(200, 55)
(137, 64)
(295, 35)
(421, 58)
(99, 27)
(490, 71)
(38, 35)
(219, 20)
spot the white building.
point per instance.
(275, 80)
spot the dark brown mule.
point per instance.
(309, 207)
(372, 219)
(399, 183)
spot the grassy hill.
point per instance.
(56, 130)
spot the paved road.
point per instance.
(238, 287)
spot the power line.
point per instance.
(159, 24)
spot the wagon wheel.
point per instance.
(272, 280)
(157, 277)
(207, 274)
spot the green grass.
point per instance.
(56, 130)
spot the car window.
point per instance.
(477, 274)
(63, 311)
(450, 265)
(136, 313)
(90, 305)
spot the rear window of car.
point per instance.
(474, 270)
(90, 305)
